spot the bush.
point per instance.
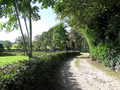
(36, 73)
(7, 44)
(1, 48)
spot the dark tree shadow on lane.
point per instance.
(65, 80)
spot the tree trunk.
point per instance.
(24, 44)
(27, 33)
(30, 27)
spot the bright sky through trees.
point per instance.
(47, 21)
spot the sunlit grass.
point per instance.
(14, 46)
(77, 63)
(11, 59)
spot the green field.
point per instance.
(11, 59)
(14, 46)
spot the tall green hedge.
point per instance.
(34, 74)
(103, 36)
(1, 48)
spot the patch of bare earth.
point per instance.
(86, 77)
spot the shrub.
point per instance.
(36, 73)
(1, 48)
(7, 44)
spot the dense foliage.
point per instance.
(99, 21)
(7, 44)
(77, 41)
(1, 48)
(60, 36)
(41, 42)
(19, 41)
(36, 73)
(14, 10)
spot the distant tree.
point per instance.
(1, 48)
(44, 40)
(41, 41)
(20, 43)
(37, 43)
(7, 44)
(50, 38)
(60, 36)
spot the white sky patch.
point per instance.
(37, 29)
(47, 21)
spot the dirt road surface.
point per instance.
(86, 77)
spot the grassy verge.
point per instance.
(103, 68)
(77, 62)
(78, 59)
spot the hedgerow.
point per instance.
(34, 74)
(103, 35)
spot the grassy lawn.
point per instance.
(11, 59)
(14, 46)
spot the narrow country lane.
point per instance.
(86, 77)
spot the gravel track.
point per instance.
(86, 77)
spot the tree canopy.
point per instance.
(7, 44)
(99, 22)
(14, 10)
(60, 36)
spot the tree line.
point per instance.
(56, 38)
